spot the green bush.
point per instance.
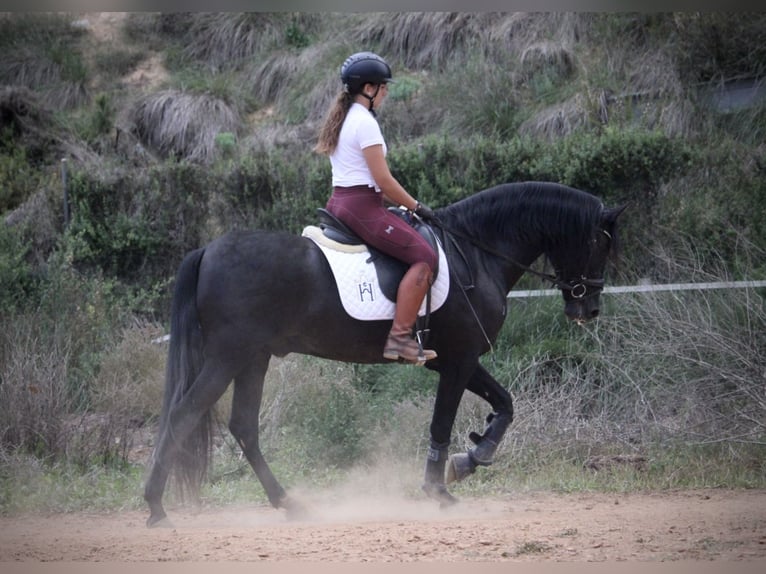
(17, 278)
(18, 177)
(101, 118)
(137, 225)
(719, 208)
(623, 165)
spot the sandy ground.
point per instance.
(691, 525)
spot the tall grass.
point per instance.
(668, 386)
(184, 125)
(224, 40)
(41, 52)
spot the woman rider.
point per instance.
(362, 180)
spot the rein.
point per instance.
(578, 288)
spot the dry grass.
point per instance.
(27, 68)
(429, 40)
(226, 39)
(42, 414)
(694, 364)
(33, 123)
(42, 52)
(290, 78)
(34, 399)
(559, 120)
(130, 381)
(538, 33)
(547, 56)
(183, 125)
(421, 39)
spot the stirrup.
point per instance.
(392, 352)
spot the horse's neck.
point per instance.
(503, 257)
(512, 272)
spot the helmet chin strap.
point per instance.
(372, 98)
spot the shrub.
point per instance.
(717, 46)
(17, 278)
(34, 401)
(51, 352)
(18, 177)
(136, 225)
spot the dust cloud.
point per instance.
(385, 492)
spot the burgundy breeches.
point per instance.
(362, 209)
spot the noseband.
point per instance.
(578, 289)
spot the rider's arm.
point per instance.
(391, 189)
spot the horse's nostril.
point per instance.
(594, 313)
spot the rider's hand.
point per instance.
(424, 212)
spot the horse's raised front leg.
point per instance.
(243, 424)
(452, 382)
(485, 386)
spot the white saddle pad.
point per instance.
(357, 280)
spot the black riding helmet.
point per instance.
(364, 68)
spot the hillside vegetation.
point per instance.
(122, 149)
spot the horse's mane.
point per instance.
(527, 210)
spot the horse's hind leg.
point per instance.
(185, 420)
(243, 424)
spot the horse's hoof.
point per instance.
(459, 466)
(294, 510)
(439, 493)
(447, 501)
(158, 522)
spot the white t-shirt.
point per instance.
(360, 130)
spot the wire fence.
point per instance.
(648, 288)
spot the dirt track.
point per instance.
(693, 525)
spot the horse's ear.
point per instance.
(611, 215)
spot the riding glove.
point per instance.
(424, 212)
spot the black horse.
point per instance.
(250, 295)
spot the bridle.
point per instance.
(580, 288)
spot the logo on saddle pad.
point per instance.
(366, 295)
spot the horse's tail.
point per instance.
(183, 365)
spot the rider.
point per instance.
(361, 180)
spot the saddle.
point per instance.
(388, 269)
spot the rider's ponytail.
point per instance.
(330, 131)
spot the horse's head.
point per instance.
(580, 274)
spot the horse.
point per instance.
(250, 295)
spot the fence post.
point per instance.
(66, 192)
